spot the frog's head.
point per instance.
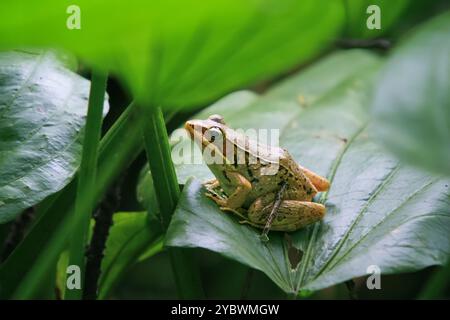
(217, 141)
(211, 133)
(222, 142)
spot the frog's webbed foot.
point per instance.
(222, 203)
(216, 197)
(214, 192)
(212, 184)
(241, 213)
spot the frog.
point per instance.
(249, 185)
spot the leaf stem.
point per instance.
(247, 283)
(86, 179)
(95, 253)
(156, 143)
(22, 273)
(17, 232)
(436, 286)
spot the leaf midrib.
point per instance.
(323, 199)
(256, 257)
(378, 190)
(381, 221)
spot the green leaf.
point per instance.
(412, 100)
(145, 191)
(133, 237)
(188, 52)
(43, 107)
(48, 236)
(379, 212)
(87, 174)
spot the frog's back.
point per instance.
(268, 177)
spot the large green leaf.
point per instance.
(43, 107)
(379, 212)
(412, 100)
(50, 232)
(132, 235)
(179, 53)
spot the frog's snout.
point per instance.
(189, 126)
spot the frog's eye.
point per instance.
(213, 134)
(217, 118)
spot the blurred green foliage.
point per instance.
(411, 105)
(179, 53)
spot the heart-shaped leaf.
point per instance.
(412, 100)
(177, 53)
(379, 212)
(43, 107)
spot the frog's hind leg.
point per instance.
(243, 188)
(319, 182)
(291, 214)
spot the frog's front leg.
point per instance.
(211, 192)
(238, 197)
(291, 214)
(212, 184)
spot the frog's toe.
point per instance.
(216, 198)
(213, 195)
(223, 208)
(239, 212)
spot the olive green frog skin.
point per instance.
(250, 175)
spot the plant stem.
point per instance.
(103, 222)
(48, 236)
(86, 178)
(247, 283)
(156, 143)
(22, 273)
(435, 287)
(439, 281)
(17, 232)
